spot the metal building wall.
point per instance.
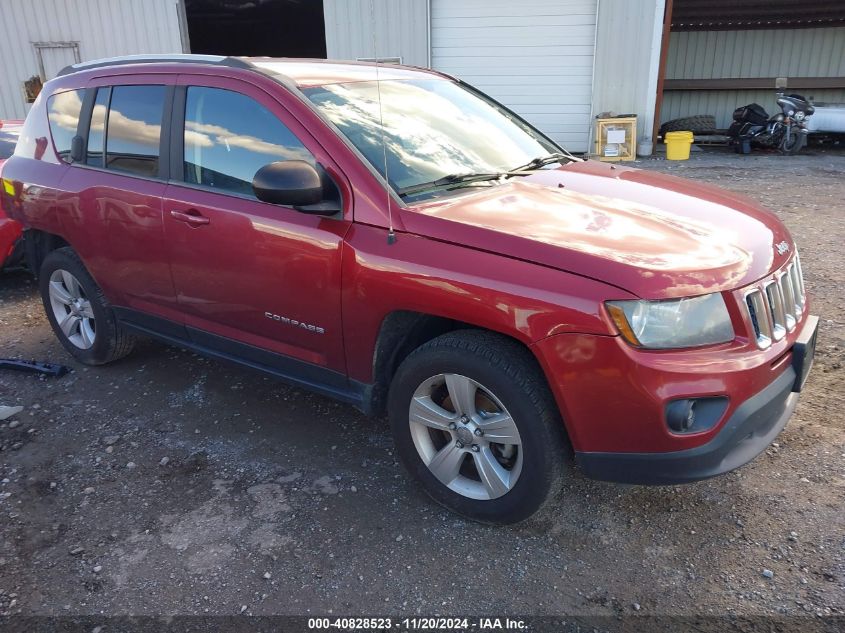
(103, 28)
(818, 52)
(401, 30)
(627, 59)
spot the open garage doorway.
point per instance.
(275, 28)
(719, 55)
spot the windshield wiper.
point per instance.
(542, 161)
(447, 181)
(461, 179)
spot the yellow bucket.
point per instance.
(677, 145)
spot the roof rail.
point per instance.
(213, 60)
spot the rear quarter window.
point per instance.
(8, 139)
(63, 110)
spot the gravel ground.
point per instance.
(167, 483)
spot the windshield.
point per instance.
(432, 128)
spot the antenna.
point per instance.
(391, 235)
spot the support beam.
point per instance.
(661, 71)
(754, 83)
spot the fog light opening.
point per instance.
(680, 415)
(693, 415)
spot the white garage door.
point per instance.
(535, 56)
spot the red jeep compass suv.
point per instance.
(397, 240)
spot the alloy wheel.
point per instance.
(72, 309)
(465, 436)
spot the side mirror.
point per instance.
(293, 183)
(77, 149)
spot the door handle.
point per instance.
(190, 217)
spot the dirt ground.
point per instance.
(167, 483)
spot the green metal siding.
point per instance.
(790, 53)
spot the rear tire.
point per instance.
(501, 392)
(78, 311)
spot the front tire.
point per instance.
(794, 144)
(475, 424)
(78, 311)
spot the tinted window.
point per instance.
(229, 137)
(96, 134)
(8, 139)
(63, 110)
(134, 129)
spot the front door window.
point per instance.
(229, 137)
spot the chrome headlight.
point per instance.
(673, 323)
(799, 116)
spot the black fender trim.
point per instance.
(293, 371)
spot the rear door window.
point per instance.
(229, 137)
(63, 109)
(133, 131)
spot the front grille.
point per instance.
(776, 305)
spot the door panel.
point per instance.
(116, 218)
(122, 223)
(253, 259)
(257, 273)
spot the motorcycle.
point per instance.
(787, 130)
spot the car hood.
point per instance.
(654, 235)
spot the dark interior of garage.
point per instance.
(275, 28)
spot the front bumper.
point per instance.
(746, 434)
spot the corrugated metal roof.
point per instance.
(713, 15)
